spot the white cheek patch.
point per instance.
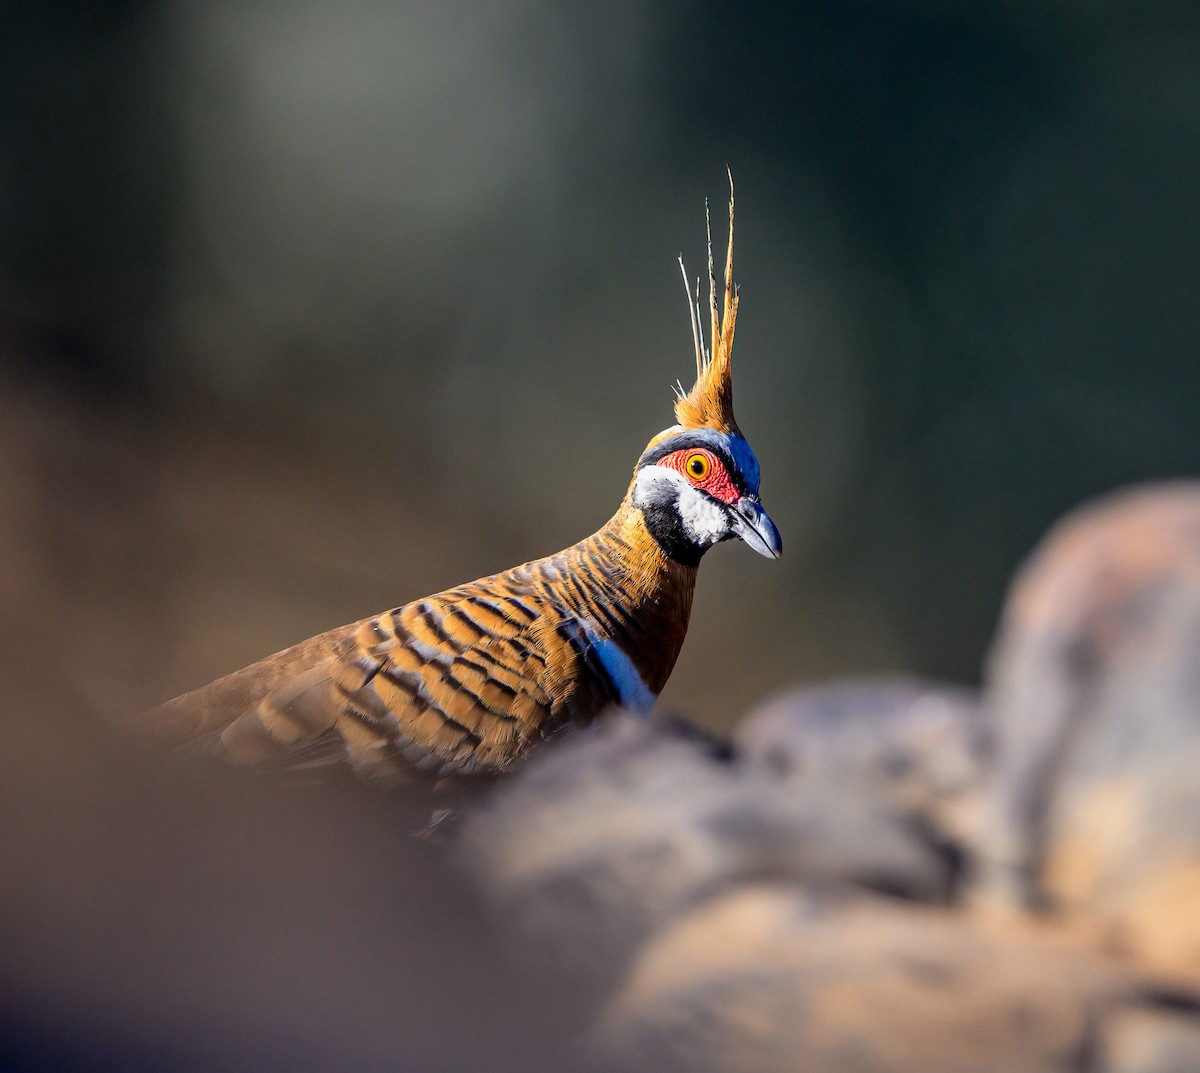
(704, 521)
(647, 477)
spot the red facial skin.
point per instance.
(717, 484)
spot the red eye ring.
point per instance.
(704, 471)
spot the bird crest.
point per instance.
(710, 402)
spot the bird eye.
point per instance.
(697, 466)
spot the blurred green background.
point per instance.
(307, 309)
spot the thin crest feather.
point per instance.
(710, 402)
(694, 318)
(712, 288)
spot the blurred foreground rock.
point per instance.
(888, 774)
(1094, 697)
(896, 876)
(609, 836)
(164, 914)
(764, 975)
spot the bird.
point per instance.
(466, 682)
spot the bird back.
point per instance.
(464, 681)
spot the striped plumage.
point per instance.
(468, 680)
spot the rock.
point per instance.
(1094, 695)
(887, 773)
(1148, 1040)
(604, 836)
(166, 914)
(771, 980)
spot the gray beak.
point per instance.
(750, 523)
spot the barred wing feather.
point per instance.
(461, 682)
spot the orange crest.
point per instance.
(710, 402)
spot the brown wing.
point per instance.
(458, 682)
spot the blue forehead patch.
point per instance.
(744, 459)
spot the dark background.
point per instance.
(307, 309)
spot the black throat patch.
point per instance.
(660, 509)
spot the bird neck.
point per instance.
(636, 593)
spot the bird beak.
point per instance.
(752, 524)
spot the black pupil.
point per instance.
(697, 466)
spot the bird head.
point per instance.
(696, 483)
